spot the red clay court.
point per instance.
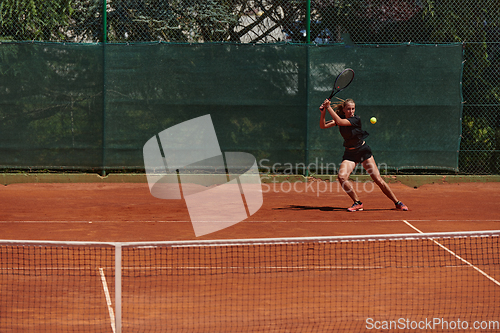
(283, 287)
(126, 212)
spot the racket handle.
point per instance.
(333, 94)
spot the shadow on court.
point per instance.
(327, 208)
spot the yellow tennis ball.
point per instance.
(373, 120)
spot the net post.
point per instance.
(118, 288)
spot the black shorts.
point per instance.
(358, 155)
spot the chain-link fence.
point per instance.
(475, 23)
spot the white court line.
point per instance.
(108, 299)
(262, 221)
(455, 255)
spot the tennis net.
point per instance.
(441, 281)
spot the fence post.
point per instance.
(104, 21)
(308, 41)
(104, 41)
(306, 146)
(308, 22)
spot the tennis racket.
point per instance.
(342, 81)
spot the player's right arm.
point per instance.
(322, 122)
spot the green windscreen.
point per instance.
(413, 91)
(51, 106)
(94, 106)
(255, 95)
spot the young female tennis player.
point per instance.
(356, 150)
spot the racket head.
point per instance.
(344, 79)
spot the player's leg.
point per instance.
(346, 168)
(372, 169)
